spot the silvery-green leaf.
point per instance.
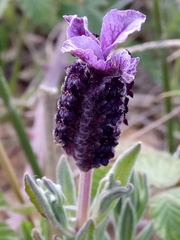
(146, 233)
(45, 230)
(126, 223)
(143, 196)
(86, 232)
(36, 235)
(65, 179)
(30, 186)
(55, 189)
(56, 238)
(38, 197)
(100, 230)
(98, 174)
(107, 200)
(122, 167)
(165, 213)
(140, 195)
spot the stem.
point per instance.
(83, 198)
(18, 125)
(165, 74)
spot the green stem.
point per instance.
(18, 125)
(17, 64)
(165, 74)
(84, 194)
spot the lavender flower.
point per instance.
(94, 98)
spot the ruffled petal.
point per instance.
(78, 27)
(86, 49)
(122, 62)
(116, 27)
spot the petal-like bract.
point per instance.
(116, 27)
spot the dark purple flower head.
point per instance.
(94, 97)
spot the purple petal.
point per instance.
(122, 62)
(86, 49)
(116, 27)
(78, 27)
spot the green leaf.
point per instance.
(29, 190)
(161, 168)
(98, 174)
(65, 179)
(126, 223)
(146, 233)
(6, 233)
(100, 230)
(26, 227)
(86, 232)
(3, 5)
(140, 195)
(45, 228)
(122, 168)
(165, 213)
(92, 9)
(46, 204)
(36, 234)
(40, 11)
(107, 200)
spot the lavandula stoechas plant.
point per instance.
(94, 98)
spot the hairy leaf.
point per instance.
(126, 223)
(86, 232)
(122, 168)
(165, 213)
(146, 233)
(65, 179)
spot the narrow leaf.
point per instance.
(26, 227)
(146, 233)
(65, 179)
(29, 183)
(126, 223)
(38, 197)
(108, 200)
(101, 229)
(86, 232)
(122, 168)
(36, 235)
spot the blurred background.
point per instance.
(31, 75)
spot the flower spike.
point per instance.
(94, 98)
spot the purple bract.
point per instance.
(94, 98)
(116, 27)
